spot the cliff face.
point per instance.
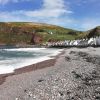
(94, 32)
(36, 39)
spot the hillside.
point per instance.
(94, 32)
(37, 33)
(88, 34)
(22, 32)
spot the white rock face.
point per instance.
(90, 41)
(98, 40)
(75, 42)
(83, 42)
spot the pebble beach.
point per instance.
(73, 75)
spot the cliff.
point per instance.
(94, 32)
(37, 33)
(32, 33)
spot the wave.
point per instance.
(24, 49)
(17, 58)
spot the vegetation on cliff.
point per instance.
(22, 33)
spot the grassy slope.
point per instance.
(20, 32)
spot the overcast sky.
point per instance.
(76, 14)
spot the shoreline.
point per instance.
(32, 67)
(74, 75)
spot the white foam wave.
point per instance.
(24, 49)
(9, 65)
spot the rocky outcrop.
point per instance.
(36, 39)
(94, 32)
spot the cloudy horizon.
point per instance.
(78, 14)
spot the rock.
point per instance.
(40, 80)
(16, 98)
(36, 39)
(67, 58)
(72, 52)
(97, 97)
(61, 93)
(25, 90)
(30, 94)
(76, 75)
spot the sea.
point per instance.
(14, 58)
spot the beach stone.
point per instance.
(67, 80)
(30, 94)
(40, 80)
(67, 58)
(72, 52)
(17, 99)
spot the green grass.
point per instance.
(21, 32)
(9, 38)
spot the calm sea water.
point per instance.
(13, 58)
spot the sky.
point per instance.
(76, 14)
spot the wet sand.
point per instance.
(29, 68)
(33, 67)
